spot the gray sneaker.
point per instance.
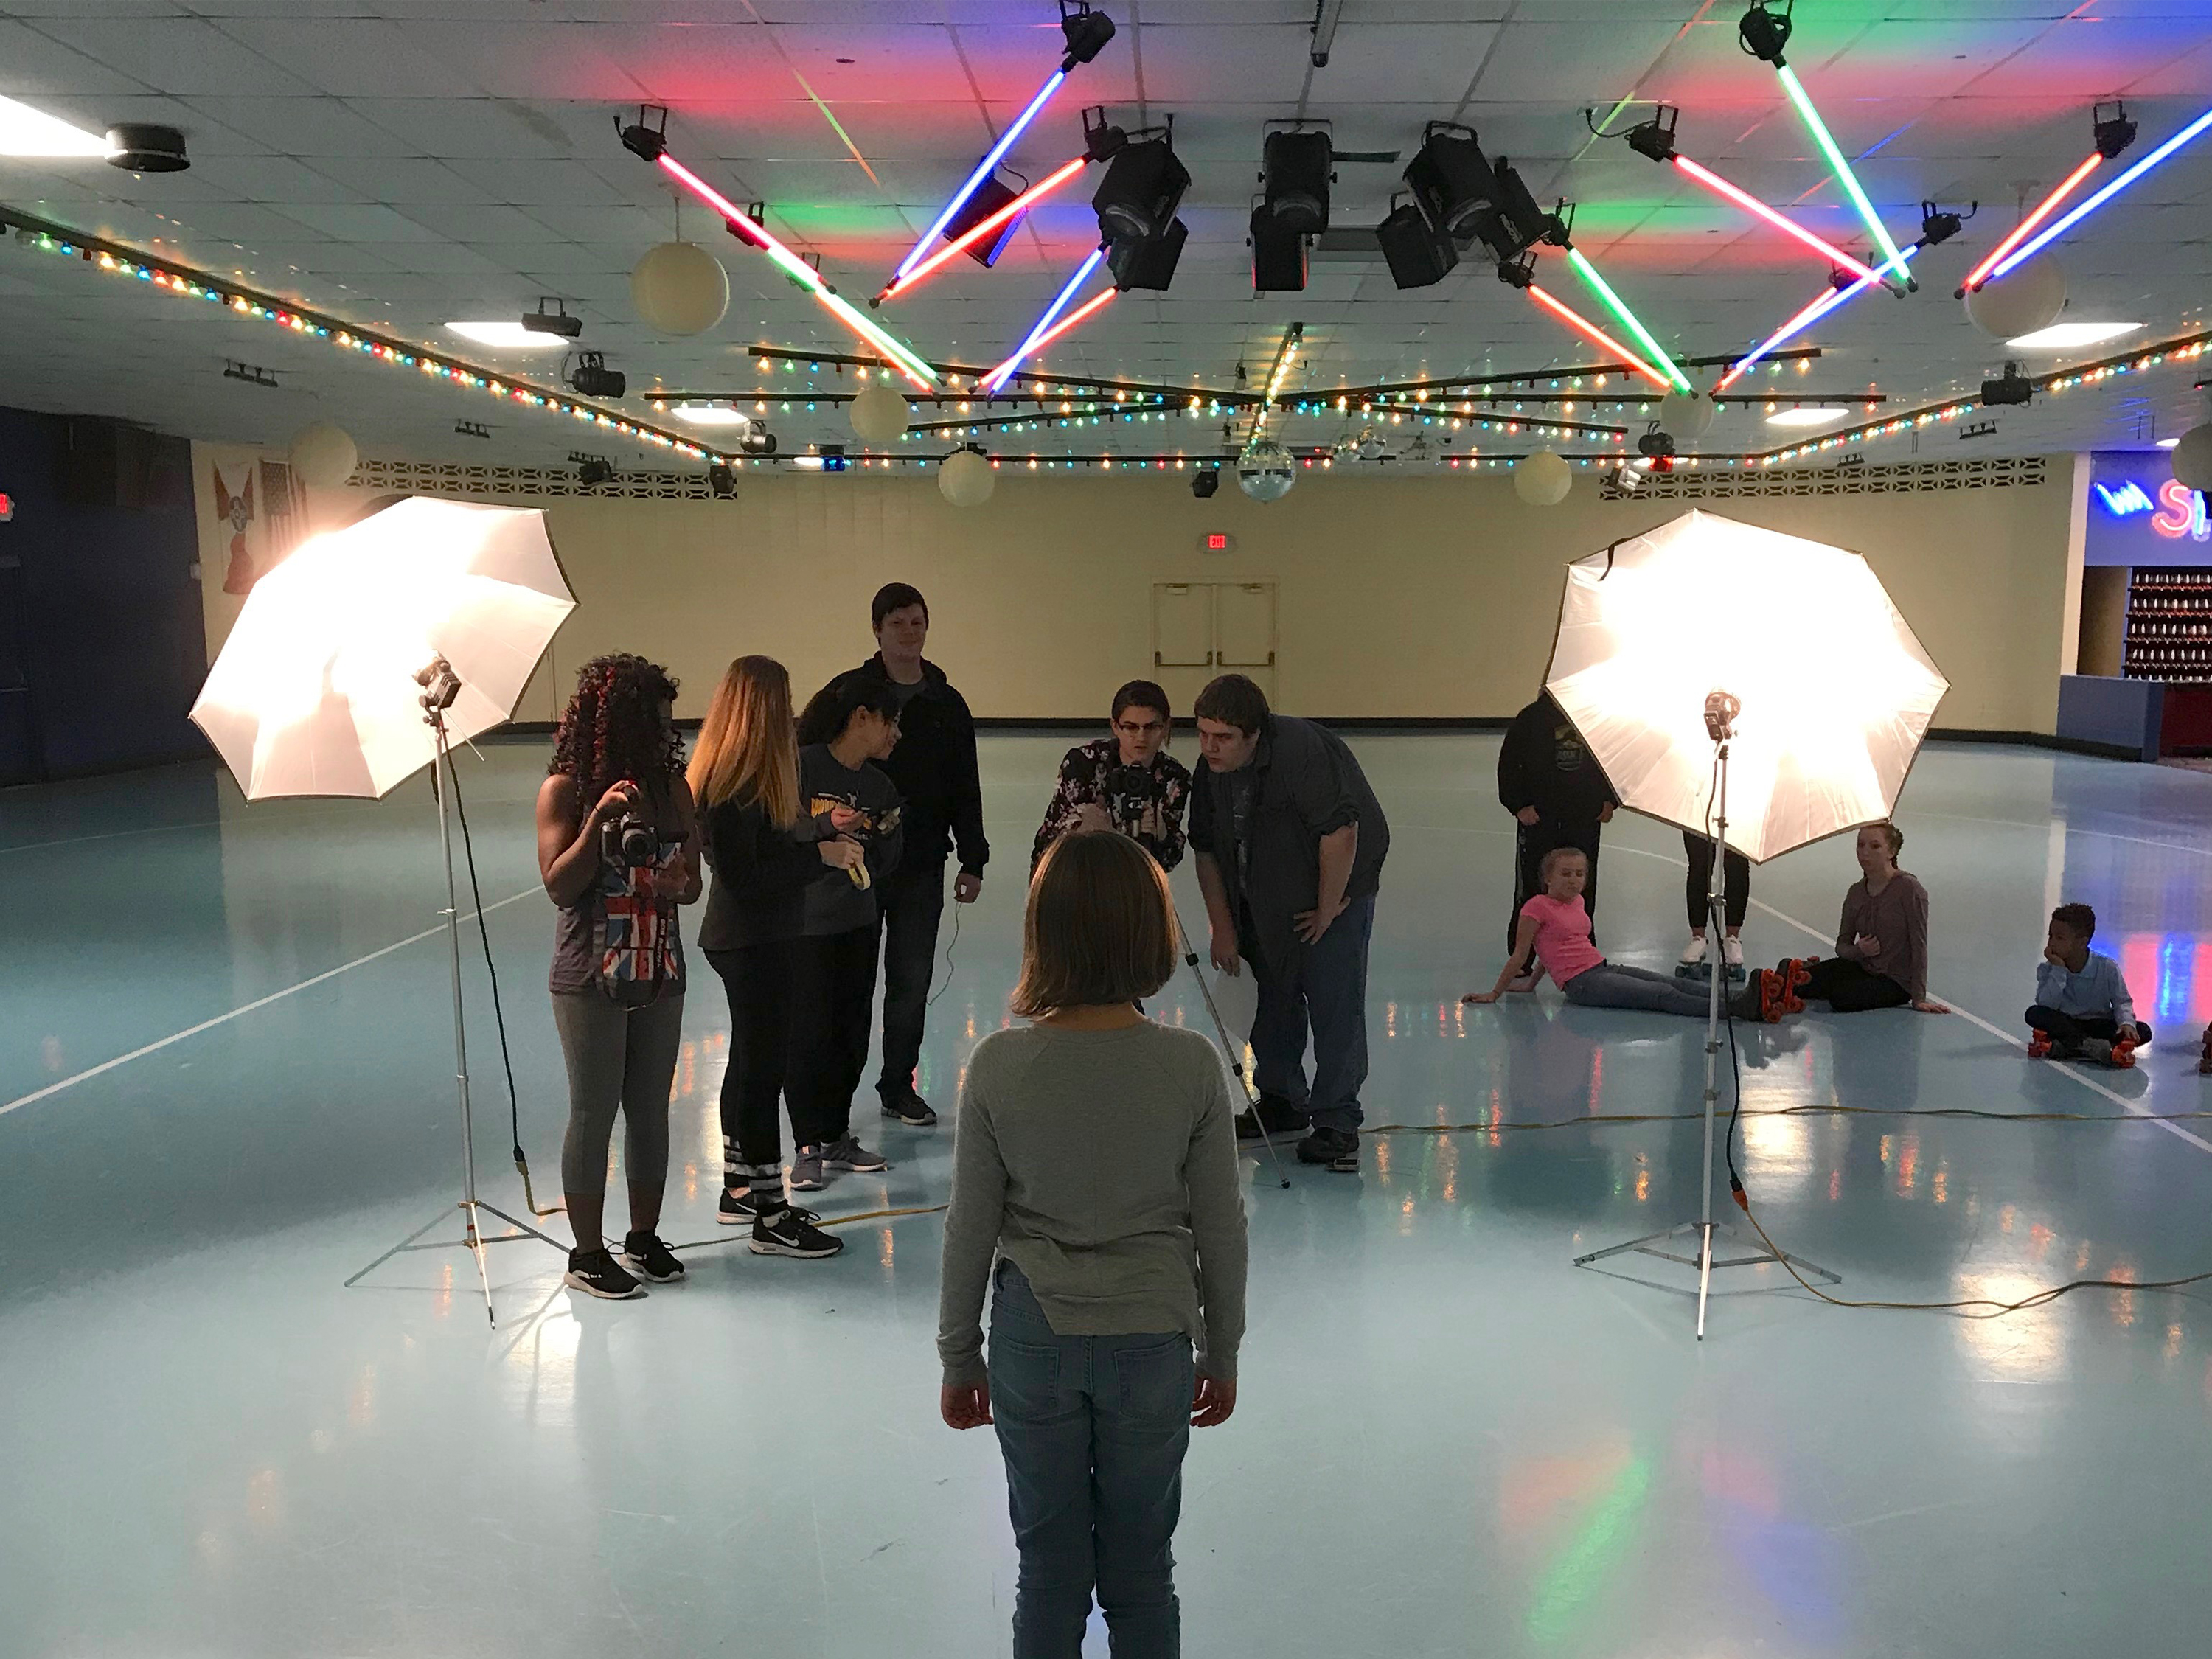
(806, 1175)
(849, 1154)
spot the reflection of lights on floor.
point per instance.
(1780, 1149)
(2023, 1348)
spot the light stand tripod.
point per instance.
(1127, 812)
(440, 687)
(1720, 710)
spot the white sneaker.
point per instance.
(1732, 952)
(1693, 953)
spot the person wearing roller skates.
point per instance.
(2083, 1009)
(1881, 944)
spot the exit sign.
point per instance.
(1216, 541)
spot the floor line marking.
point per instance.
(37, 1095)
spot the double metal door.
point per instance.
(1201, 630)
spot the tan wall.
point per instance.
(1406, 597)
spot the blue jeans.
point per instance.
(1323, 986)
(1093, 1429)
(1612, 985)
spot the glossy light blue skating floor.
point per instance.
(1450, 1440)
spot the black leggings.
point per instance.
(833, 1000)
(757, 980)
(1696, 888)
(2073, 1028)
(1850, 988)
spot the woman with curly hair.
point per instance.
(618, 850)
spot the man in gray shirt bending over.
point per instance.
(1290, 842)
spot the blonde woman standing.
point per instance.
(763, 854)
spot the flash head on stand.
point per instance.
(441, 685)
(1721, 709)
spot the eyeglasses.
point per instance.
(1135, 729)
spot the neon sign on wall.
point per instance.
(2140, 513)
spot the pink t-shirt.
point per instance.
(1563, 936)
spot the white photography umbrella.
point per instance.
(357, 662)
(314, 693)
(1836, 692)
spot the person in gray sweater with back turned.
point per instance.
(1097, 1193)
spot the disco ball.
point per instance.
(1346, 451)
(1371, 444)
(1265, 471)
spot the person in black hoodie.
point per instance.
(850, 726)
(933, 768)
(764, 853)
(1559, 795)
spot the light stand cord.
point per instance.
(498, 1014)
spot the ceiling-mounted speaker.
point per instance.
(986, 199)
(1294, 180)
(1418, 256)
(1149, 263)
(1279, 256)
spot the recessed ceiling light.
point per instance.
(28, 131)
(1808, 417)
(710, 415)
(2064, 337)
(507, 336)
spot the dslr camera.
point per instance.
(630, 840)
(1129, 790)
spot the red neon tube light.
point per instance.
(1004, 371)
(1021, 204)
(1590, 331)
(2026, 228)
(1752, 205)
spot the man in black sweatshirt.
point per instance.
(934, 770)
(1558, 793)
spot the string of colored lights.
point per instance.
(2035, 245)
(187, 282)
(1591, 331)
(1618, 307)
(2026, 228)
(1286, 356)
(1811, 314)
(983, 169)
(1844, 176)
(903, 356)
(982, 228)
(1751, 204)
(999, 376)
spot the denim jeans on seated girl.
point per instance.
(1093, 1429)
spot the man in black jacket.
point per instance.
(934, 768)
(1290, 843)
(1558, 793)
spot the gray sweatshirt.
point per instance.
(1104, 1164)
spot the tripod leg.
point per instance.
(1233, 1053)
(477, 1248)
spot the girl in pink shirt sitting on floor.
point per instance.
(1556, 928)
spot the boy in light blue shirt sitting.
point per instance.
(2083, 1009)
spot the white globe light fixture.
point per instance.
(1265, 471)
(2192, 458)
(323, 456)
(966, 479)
(678, 288)
(1687, 416)
(1543, 479)
(2029, 299)
(880, 415)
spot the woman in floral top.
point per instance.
(1128, 782)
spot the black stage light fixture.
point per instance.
(1102, 140)
(1656, 137)
(1294, 180)
(1205, 482)
(2113, 132)
(2010, 387)
(1278, 257)
(592, 378)
(1417, 256)
(1085, 31)
(1655, 444)
(757, 440)
(986, 199)
(721, 480)
(138, 147)
(1764, 33)
(556, 321)
(1139, 195)
(1520, 272)
(592, 471)
(1147, 264)
(1939, 224)
(1519, 224)
(648, 143)
(1452, 180)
